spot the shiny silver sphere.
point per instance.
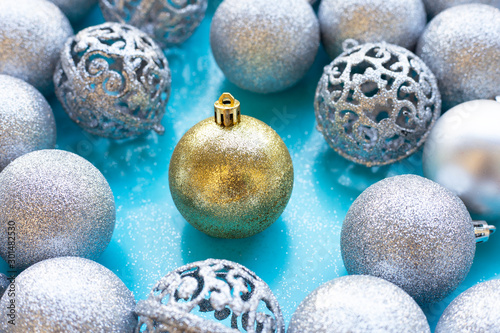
(358, 304)
(26, 120)
(264, 46)
(462, 153)
(434, 7)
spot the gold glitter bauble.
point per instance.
(233, 176)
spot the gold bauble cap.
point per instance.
(227, 110)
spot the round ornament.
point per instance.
(376, 103)
(32, 34)
(169, 22)
(69, 295)
(26, 120)
(462, 153)
(232, 176)
(462, 48)
(211, 296)
(75, 10)
(113, 81)
(475, 310)
(59, 205)
(412, 232)
(434, 7)
(264, 46)
(358, 303)
(392, 21)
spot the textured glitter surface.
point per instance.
(392, 21)
(434, 7)
(169, 22)
(218, 289)
(75, 10)
(462, 153)
(231, 182)
(4, 283)
(113, 81)
(70, 295)
(376, 103)
(32, 34)
(59, 205)
(410, 231)
(358, 303)
(26, 120)
(475, 310)
(462, 48)
(264, 46)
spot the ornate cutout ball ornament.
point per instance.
(434, 7)
(32, 35)
(70, 295)
(376, 103)
(227, 297)
(75, 10)
(113, 81)
(169, 22)
(412, 232)
(358, 303)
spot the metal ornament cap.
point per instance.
(358, 304)
(236, 296)
(412, 232)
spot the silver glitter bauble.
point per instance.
(75, 10)
(169, 22)
(264, 46)
(358, 303)
(70, 295)
(392, 21)
(376, 103)
(475, 310)
(462, 153)
(462, 48)
(59, 205)
(32, 34)
(113, 81)
(26, 120)
(211, 296)
(434, 7)
(412, 232)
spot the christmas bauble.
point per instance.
(475, 310)
(169, 22)
(59, 205)
(434, 7)
(32, 34)
(264, 46)
(376, 103)
(462, 48)
(192, 296)
(69, 295)
(26, 120)
(412, 232)
(231, 176)
(113, 81)
(75, 10)
(358, 303)
(391, 21)
(462, 153)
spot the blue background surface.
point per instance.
(297, 253)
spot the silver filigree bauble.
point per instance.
(461, 46)
(32, 35)
(434, 7)
(358, 303)
(412, 232)
(75, 10)
(192, 296)
(113, 81)
(70, 295)
(169, 22)
(26, 120)
(370, 21)
(475, 310)
(376, 103)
